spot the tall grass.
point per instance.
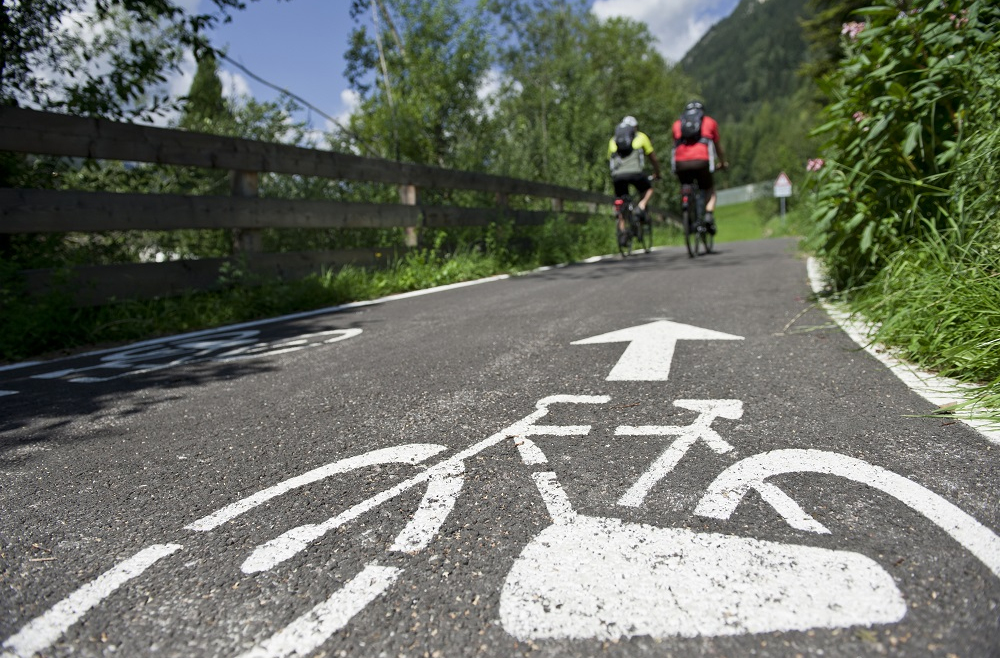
(905, 217)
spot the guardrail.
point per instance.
(57, 211)
(743, 193)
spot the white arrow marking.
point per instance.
(651, 348)
(726, 492)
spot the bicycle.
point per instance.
(635, 228)
(697, 236)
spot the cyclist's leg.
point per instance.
(621, 190)
(643, 191)
(707, 182)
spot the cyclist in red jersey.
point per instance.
(698, 153)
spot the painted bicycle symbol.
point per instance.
(217, 347)
(587, 577)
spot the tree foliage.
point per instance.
(915, 101)
(417, 79)
(528, 89)
(97, 57)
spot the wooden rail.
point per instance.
(48, 211)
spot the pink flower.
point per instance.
(852, 29)
(859, 116)
(959, 20)
(814, 164)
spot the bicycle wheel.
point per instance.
(624, 240)
(646, 235)
(709, 239)
(690, 234)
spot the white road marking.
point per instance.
(729, 488)
(554, 496)
(442, 493)
(40, 633)
(699, 430)
(285, 546)
(789, 510)
(651, 348)
(531, 454)
(3, 393)
(405, 454)
(606, 579)
(311, 630)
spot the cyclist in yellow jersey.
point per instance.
(627, 153)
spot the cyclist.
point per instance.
(698, 153)
(627, 153)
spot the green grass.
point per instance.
(754, 220)
(941, 310)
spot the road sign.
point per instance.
(782, 186)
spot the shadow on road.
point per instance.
(38, 400)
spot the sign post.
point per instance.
(782, 190)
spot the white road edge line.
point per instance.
(933, 388)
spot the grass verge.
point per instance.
(941, 310)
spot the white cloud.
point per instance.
(350, 100)
(234, 85)
(179, 82)
(677, 24)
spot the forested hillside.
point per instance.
(751, 57)
(749, 70)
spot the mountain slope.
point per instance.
(750, 57)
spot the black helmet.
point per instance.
(695, 105)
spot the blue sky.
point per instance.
(300, 44)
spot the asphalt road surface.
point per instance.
(655, 456)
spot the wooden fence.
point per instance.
(55, 211)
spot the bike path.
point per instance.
(657, 456)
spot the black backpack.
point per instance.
(691, 125)
(623, 139)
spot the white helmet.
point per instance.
(630, 122)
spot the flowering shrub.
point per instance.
(852, 30)
(911, 101)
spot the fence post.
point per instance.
(557, 205)
(246, 184)
(408, 197)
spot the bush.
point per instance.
(911, 102)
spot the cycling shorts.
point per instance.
(639, 181)
(689, 171)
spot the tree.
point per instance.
(204, 102)
(568, 79)
(418, 87)
(97, 57)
